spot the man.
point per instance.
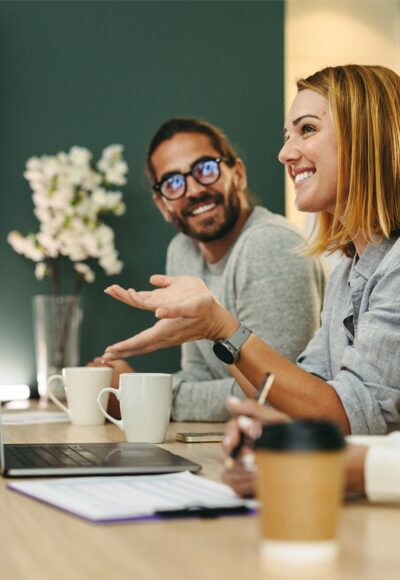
(245, 255)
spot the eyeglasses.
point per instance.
(205, 171)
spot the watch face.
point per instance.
(223, 353)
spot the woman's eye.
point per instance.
(306, 129)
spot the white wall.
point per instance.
(327, 33)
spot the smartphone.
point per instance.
(200, 437)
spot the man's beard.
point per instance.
(209, 231)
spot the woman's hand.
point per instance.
(240, 473)
(186, 310)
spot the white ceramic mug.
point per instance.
(82, 386)
(145, 401)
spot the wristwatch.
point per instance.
(228, 349)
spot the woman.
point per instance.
(342, 152)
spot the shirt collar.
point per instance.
(373, 255)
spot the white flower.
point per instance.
(27, 246)
(105, 235)
(112, 152)
(33, 164)
(115, 173)
(71, 196)
(40, 270)
(112, 165)
(49, 243)
(85, 271)
(79, 156)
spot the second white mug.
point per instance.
(145, 402)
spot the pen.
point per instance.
(268, 380)
(204, 512)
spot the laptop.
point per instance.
(69, 459)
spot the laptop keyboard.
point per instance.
(55, 456)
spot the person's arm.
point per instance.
(202, 385)
(241, 473)
(118, 367)
(366, 334)
(273, 290)
(187, 311)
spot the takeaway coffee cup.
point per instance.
(299, 484)
(145, 401)
(82, 386)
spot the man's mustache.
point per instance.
(204, 198)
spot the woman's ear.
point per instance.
(161, 204)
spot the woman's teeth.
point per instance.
(302, 176)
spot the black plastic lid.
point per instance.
(306, 435)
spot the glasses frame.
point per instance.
(157, 186)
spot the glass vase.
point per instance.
(57, 321)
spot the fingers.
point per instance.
(241, 476)
(118, 293)
(231, 439)
(161, 280)
(149, 340)
(248, 407)
(242, 483)
(97, 362)
(130, 296)
(246, 420)
(149, 299)
(250, 427)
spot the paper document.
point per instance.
(32, 417)
(122, 498)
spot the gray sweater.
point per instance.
(266, 285)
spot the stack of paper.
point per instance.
(122, 498)
(32, 417)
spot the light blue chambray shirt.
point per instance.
(357, 348)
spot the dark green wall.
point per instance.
(95, 73)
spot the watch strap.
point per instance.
(228, 349)
(240, 337)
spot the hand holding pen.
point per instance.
(248, 432)
(249, 415)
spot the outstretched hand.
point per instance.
(186, 310)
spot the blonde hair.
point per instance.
(365, 105)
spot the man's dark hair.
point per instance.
(170, 128)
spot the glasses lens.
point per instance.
(206, 172)
(174, 186)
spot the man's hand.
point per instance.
(118, 366)
(186, 309)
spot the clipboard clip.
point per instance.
(204, 512)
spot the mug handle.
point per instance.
(52, 395)
(118, 422)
